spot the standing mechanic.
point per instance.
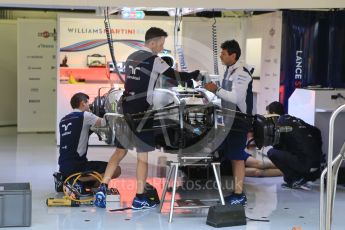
(143, 68)
(74, 137)
(235, 93)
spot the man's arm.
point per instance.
(93, 120)
(239, 88)
(100, 122)
(163, 68)
(181, 76)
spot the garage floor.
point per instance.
(32, 158)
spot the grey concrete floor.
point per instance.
(33, 158)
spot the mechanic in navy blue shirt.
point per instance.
(143, 68)
(298, 153)
(74, 137)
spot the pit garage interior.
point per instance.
(296, 50)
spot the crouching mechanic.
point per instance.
(74, 137)
(299, 152)
(143, 68)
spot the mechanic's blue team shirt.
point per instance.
(142, 70)
(74, 136)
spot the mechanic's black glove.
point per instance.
(195, 75)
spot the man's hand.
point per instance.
(211, 87)
(195, 74)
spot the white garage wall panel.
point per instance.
(197, 40)
(8, 72)
(36, 75)
(268, 27)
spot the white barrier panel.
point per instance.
(36, 75)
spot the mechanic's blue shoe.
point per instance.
(100, 196)
(100, 200)
(236, 199)
(143, 203)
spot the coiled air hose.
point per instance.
(68, 185)
(215, 45)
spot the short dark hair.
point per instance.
(232, 46)
(276, 108)
(155, 32)
(77, 99)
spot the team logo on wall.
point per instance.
(47, 34)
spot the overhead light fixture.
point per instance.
(132, 14)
